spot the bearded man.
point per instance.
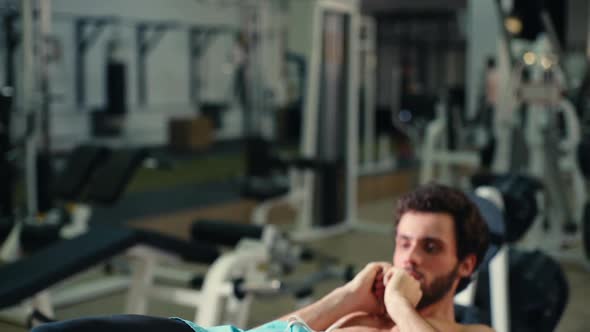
(440, 239)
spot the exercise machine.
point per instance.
(445, 154)
(505, 296)
(222, 296)
(323, 188)
(322, 179)
(532, 103)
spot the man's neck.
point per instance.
(443, 309)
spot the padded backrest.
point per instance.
(79, 168)
(26, 277)
(519, 196)
(110, 180)
(470, 315)
(493, 216)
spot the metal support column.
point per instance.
(84, 41)
(43, 75)
(198, 40)
(11, 42)
(147, 37)
(28, 104)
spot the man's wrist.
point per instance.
(397, 306)
(345, 299)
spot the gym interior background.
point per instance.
(152, 123)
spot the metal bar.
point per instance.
(90, 38)
(369, 83)
(11, 42)
(504, 34)
(193, 83)
(310, 117)
(352, 133)
(500, 303)
(79, 60)
(587, 32)
(141, 84)
(198, 41)
(555, 45)
(84, 41)
(45, 33)
(585, 82)
(156, 36)
(145, 44)
(26, 101)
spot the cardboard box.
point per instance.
(190, 133)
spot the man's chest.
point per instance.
(364, 329)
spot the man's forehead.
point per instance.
(412, 237)
(421, 225)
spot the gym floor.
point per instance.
(355, 247)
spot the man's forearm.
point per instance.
(324, 312)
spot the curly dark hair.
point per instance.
(471, 231)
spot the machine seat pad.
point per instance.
(190, 251)
(225, 233)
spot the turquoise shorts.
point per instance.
(274, 326)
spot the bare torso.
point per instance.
(362, 322)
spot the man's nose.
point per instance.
(413, 256)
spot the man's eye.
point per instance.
(431, 247)
(404, 245)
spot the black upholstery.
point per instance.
(223, 232)
(6, 225)
(116, 323)
(36, 236)
(79, 167)
(196, 252)
(260, 189)
(262, 166)
(519, 196)
(111, 179)
(26, 277)
(470, 315)
(493, 217)
(538, 288)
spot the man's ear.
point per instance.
(467, 265)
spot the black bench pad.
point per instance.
(26, 277)
(32, 274)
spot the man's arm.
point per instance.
(402, 294)
(407, 318)
(357, 295)
(322, 313)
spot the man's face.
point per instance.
(426, 248)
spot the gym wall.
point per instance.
(167, 66)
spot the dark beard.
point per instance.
(438, 288)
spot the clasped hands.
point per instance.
(380, 288)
